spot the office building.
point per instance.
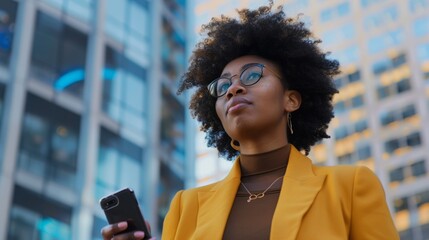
(383, 105)
(88, 105)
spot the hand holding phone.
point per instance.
(123, 206)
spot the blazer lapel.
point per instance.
(299, 189)
(215, 205)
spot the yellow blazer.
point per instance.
(327, 203)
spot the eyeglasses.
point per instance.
(250, 75)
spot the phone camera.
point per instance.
(110, 202)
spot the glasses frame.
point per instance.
(249, 65)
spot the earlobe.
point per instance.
(292, 100)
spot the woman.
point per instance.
(270, 100)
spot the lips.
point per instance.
(235, 103)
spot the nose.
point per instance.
(235, 88)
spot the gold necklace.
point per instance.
(253, 196)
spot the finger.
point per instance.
(108, 231)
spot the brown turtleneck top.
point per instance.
(252, 220)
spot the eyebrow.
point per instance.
(227, 74)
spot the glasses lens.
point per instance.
(251, 75)
(222, 86)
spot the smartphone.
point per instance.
(123, 206)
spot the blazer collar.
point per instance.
(300, 187)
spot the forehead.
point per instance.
(235, 65)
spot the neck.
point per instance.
(252, 164)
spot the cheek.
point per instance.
(219, 110)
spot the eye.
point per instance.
(251, 76)
(222, 86)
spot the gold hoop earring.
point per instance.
(289, 122)
(235, 145)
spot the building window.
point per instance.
(128, 22)
(418, 5)
(423, 52)
(172, 128)
(80, 9)
(385, 41)
(2, 89)
(40, 218)
(411, 140)
(397, 115)
(339, 10)
(418, 168)
(58, 55)
(381, 18)
(8, 11)
(125, 91)
(397, 175)
(173, 52)
(49, 142)
(401, 204)
(395, 88)
(408, 172)
(119, 165)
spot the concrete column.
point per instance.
(151, 161)
(14, 107)
(89, 130)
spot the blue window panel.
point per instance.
(421, 27)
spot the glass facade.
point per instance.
(40, 218)
(173, 107)
(49, 142)
(124, 88)
(1, 101)
(58, 55)
(80, 9)
(128, 22)
(72, 149)
(8, 10)
(119, 165)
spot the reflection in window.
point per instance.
(124, 97)
(8, 11)
(40, 218)
(80, 9)
(57, 50)
(127, 21)
(119, 165)
(49, 142)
